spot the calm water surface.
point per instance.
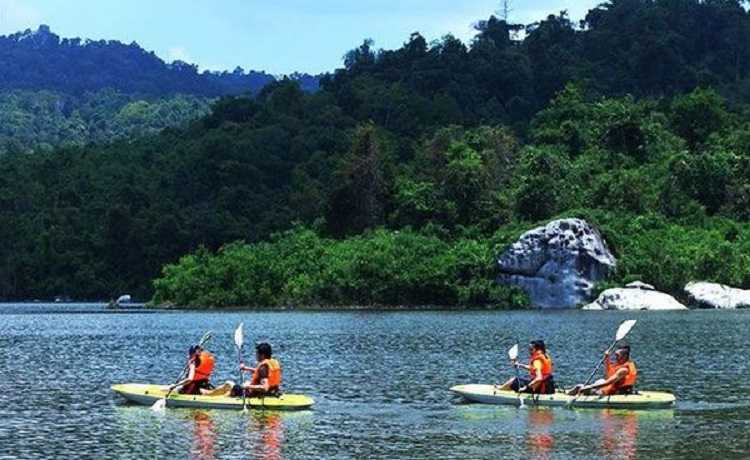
(380, 381)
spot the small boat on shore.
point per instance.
(489, 394)
(147, 394)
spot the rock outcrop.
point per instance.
(714, 295)
(635, 296)
(557, 265)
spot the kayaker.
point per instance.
(620, 376)
(266, 376)
(540, 367)
(199, 373)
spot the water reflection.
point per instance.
(270, 427)
(619, 434)
(539, 438)
(204, 436)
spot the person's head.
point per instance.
(195, 350)
(537, 345)
(263, 351)
(622, 354)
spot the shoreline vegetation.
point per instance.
(402, 179)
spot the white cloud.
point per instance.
(17, 15)
(178, 53)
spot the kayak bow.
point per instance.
(147, 394)
(488, 394)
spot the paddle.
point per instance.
(238, 342)
(513, 355)
(622, 331)
(160, 404)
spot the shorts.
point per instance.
(547, 388)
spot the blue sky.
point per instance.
(278, 37)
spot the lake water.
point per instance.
(380, 380)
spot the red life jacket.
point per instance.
(205, 366)
(547, 369)
(626, 383)
(274, 373)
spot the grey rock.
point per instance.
(634, 298)
(713, 295)
(558, 264)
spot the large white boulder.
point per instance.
(635, 296)
(558, 264)
(714, 295)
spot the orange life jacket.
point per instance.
(627, 382)
(205, 366)
(274, 373)
(547, 366)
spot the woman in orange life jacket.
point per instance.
(619, 377)
(266, 376)
(540, 369)
(201, 365)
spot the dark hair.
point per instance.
(194, 348)
(264, 349)
(539, 345)
(625, 349)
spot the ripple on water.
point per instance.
(380, 380)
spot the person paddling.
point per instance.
(265, 380)
(541, 369)
(199, 373)
(266, 376)
(620, 376)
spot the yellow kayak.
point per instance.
(147, 394)
(488, 394)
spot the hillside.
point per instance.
(411, 168)
(56, 92)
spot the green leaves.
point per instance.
(299, 268)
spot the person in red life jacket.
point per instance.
(201, 365)
(541, 370)
(266, 375)
(620, 376)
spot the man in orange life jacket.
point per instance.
(540, 369)
(619, 377)
(266, 376)
(201, 365)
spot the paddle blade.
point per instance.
(624, 329)
(513, 352)
(159, 405)
(239, 336)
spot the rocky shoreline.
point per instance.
(558, 266)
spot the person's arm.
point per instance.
(263, 371)
(186, 380)
(244, 368)
(519, 365)
(537, 376)
(616, 378)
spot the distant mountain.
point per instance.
(41, 60)
(56, 92)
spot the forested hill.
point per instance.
(57, 92)
(40, 60)
(410, 168)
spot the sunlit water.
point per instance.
(380, 381)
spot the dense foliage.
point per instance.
(40, 60)
(42, 120)
(69, 91)
(299, 267)
(410, 169)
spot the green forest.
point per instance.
(403, 177)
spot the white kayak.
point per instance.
(489, 394)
